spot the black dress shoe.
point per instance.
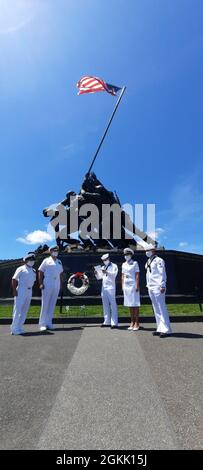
(105, 326)
(155, 333)
(163, 335)
(114, 327)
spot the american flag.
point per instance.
(92, 84)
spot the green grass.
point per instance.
(96, 310)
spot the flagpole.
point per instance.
(107, 128)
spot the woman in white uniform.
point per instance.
(131, 287)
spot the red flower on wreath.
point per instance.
(78, 275)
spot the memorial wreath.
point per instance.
(73, 288)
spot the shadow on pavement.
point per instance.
(186, 335)
(147, 329)
(72, 328)
(37, 333)
(125, 327)
(50, 333)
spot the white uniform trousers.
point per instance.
(160, 311)
(20, 308)
(49, 298)
(109, 307)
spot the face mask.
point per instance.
(30, 263)
(54, 254)
(127, 257)
(106, 262)
(149, 254)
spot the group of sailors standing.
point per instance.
(49, 276)
(156, 284)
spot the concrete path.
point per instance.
(92, 388)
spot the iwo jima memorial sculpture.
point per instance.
(92, 222)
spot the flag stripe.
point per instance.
(90, 84)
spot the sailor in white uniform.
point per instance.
(131, 287)
(50, 272)
(108, 293)
(22, 282)
(156, 284)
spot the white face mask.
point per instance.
(128, 257)
(30, 263)
(106, 262)
(54, 254)
(149, 254)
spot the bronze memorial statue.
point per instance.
(93, 192)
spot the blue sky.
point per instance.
(153, 153)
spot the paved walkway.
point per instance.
(83, 387)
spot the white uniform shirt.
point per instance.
(26, 276)
(156, 273)
(108, 281)
(129, 269)
(52, 268)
